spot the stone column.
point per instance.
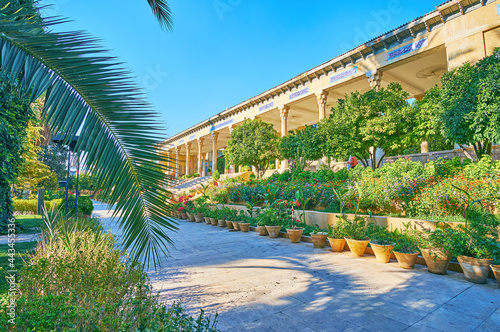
(424, 147)
(215, 136)
(200, 162)
(177, 151)
(375, 79)
(284, 129)
(188, 150)
(322, 98)
(232, 168)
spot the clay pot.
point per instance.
(222, 223)
(337, 245)
(229, 224)
(262, 230)
(198, 217)
(273, 231)
(406, 260)
(214, 221)
(244, 226)
(295, 234)
(208, 220)
(236, 225)
(191, 217)
(184, 216)
(476, 270)
(496, 272)
(319, 240)
(437, 261)
(357, 247)
(382, 251)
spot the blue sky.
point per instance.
(222, 52)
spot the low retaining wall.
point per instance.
(324, 219)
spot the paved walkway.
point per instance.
(261, 284)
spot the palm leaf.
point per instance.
(87, 90)
(162, 12)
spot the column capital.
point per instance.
(200, 140)
(322, 96)
(178, 149)
(231, 128)
(374, 79)
(284, 109)
(215, 135)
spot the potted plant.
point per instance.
(476, 241)
(230, 218)
(475, 248)
(406, 248)
(382, 244)
(215, 217)
(357, 234)
(261, 228)
(209, 172)
(294, 233)
(318, 237)
(496, 269)
(436, 247)
(336, 236)
(199, 213)
(269, 218)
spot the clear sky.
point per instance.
(222, 52)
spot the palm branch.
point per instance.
(86, 90)
(162, 12)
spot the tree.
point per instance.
(382, 119)
(429, 125)
(254, 142)
(14, 117)
(55, 156)
(87, 90)
(33, 173)
(470, 104)
(302, 146)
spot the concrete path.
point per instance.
(23, 237)
(261, 284)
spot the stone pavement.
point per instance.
(261, 284)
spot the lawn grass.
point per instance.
(21, 251)
(31, 224)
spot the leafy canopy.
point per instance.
(302, 145)
(254, 142)
(382, 119)
(470, 103)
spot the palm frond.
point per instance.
(87, 90)
(162, 12)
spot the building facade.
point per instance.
(415, 55)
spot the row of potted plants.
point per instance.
(475, 245)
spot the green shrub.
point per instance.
(85, 205)
(29, 205)
(246, 169)
(78, 281)
(215, 175)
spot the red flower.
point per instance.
(180, 209)
(58, 189)
(297, 203)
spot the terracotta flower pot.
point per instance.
(222, 223)
(191, 217)
(214, 221)
(273, 231)
(295, 234)
(236, 225)
(437, 261)
(357, 247)
(208, 220)
(198, 217)
(337, 245)
(229, 224)
(244, 226)
(184, 216)
(262, 230)
(496, 272)
(319, 240)
(406, 260)
(476, 270)
(382, 251)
